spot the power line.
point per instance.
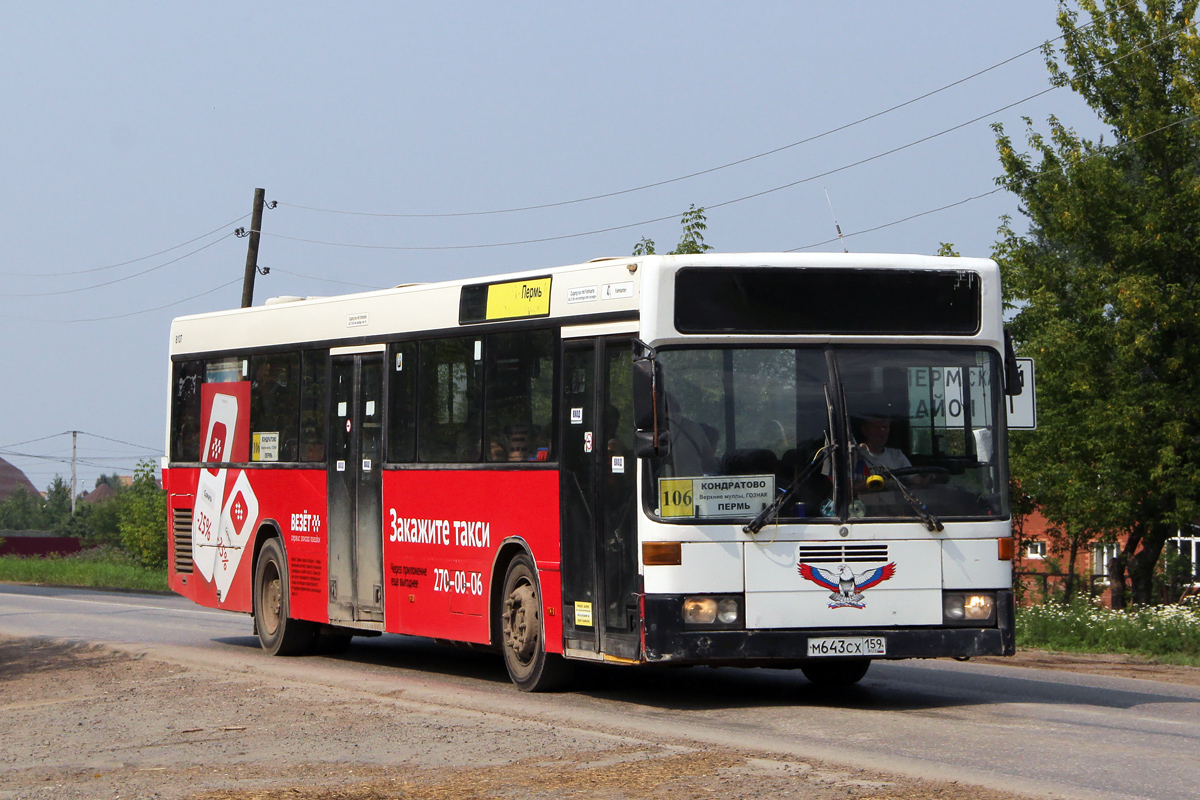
(706, 206)
(61, 460)
(1039, 174)
(85, 433)
(898, 221)
(131, 313)
(123, 263)
(710, 170)
(118, 441)
(709, 206)
(326, 280)
(31, 441)
(121, 280)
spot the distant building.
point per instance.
(12, 479)
(99, 494)
(1041, 568)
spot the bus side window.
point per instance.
(275, 404)
(402, 403)
(185, 410)
(449, 399)
(312, 405)
(520, 401)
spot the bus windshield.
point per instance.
(886, 426)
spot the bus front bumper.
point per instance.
(667, 641)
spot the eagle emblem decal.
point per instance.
(847, 586)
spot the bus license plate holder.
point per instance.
(852, 646)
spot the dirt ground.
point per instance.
(1116, 666)
(87, 722)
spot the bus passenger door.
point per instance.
(599, 499)
(355, 529)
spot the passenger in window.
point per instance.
(525, 444)
(612, 420)
(497, 448)
(314, 448)
(540, 449)
(520, 443)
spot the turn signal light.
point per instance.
(662, 554)
(1006, 548)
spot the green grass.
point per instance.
(1165, 634)
(102, 569)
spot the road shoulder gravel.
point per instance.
(85, 721)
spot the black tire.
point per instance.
(529, 666)
(836, 672)
(278, 634)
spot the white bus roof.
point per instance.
(634, 292)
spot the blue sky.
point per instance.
(129, 129)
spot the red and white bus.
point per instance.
(739, 459)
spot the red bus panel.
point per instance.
(442, 530)
(293, 500)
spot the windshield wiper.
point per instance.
(926, 516)
(772, 511)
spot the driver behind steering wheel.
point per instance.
(873, 455)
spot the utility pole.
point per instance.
(74, 438)
(252, 250)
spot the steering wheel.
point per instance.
(941, 474)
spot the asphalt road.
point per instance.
(1036, 731)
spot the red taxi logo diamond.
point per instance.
(238, 512)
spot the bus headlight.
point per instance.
(727, 611)
(974, 608)
(712, 612)
(699, 611)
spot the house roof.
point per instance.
(12, 479)
(99, 494)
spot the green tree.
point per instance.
(1106, 283)
(644, 248)
(691, 240)
(103, 522)
(142, 517)
(21, 511)
(113, 481)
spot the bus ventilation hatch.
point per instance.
(182, 528)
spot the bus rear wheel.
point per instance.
(836, 672)
(529, 666)
(278, 634)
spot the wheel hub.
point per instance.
(520, 622)
(272, 604)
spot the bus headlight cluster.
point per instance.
(969, 608)
(712, 612)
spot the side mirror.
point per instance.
(649, 401)
(645, 445)
(649, 409)
(1012, 372)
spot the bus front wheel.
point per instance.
(529, 666)
(278, 634)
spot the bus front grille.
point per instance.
(843, 553)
